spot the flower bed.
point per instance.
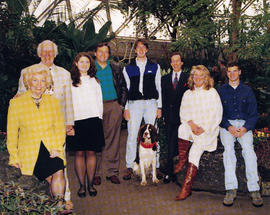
(262, 147)
(15, 200)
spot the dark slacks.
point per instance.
(172, 136)
(110, 155)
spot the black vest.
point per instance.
(149, 86)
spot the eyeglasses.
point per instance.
(48, 53)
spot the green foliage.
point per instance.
(19, 37)
(17, 6)
(16, 52)
(15, 200)
(174, 14)
(253, 52)
(75, 40)
(254, 39)
(49, 31)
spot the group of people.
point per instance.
(195, 112)
(83, 109)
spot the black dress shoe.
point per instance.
(81, 192)
(167, 179)
(159, 174)
(92, 191)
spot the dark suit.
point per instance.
(171, 101)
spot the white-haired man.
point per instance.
(47, 51)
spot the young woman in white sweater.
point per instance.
(88, 110)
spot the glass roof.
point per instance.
(80, 10)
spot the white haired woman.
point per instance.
(36, 133)
(200, 114)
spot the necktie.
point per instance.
(51, 89)
(175, 81)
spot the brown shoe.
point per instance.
(114, 179)
(128, 174)
(97, 180)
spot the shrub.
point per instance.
(3, 138)
(15, 200)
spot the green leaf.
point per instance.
(89, 29)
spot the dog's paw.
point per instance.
(155, 181)
(143, 183)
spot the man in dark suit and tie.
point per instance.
(173, 86)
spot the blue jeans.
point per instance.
(229, 158)
(138, 109)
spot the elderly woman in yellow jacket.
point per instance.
(36, 133)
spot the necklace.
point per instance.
(37, 101)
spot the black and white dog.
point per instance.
(146, 153)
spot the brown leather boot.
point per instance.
(183, 146)
(186, 187)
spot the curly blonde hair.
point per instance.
(208, 82)
(28, 76)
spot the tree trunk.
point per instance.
(108, 13)
(236, 13)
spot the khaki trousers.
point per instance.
(110, 155)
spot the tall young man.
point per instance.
(239, 119)
(143, 81)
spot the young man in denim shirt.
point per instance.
(239, 119)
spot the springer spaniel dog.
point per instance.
(146, 153)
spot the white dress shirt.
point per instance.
(178, 75)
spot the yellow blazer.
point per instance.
(28, 125)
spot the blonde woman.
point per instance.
(36, 133)
(200, 114)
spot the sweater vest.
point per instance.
(149, 85)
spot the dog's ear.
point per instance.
(140, 134)
(153, 133)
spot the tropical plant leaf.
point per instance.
(89, 29)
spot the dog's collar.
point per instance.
(148, 146)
